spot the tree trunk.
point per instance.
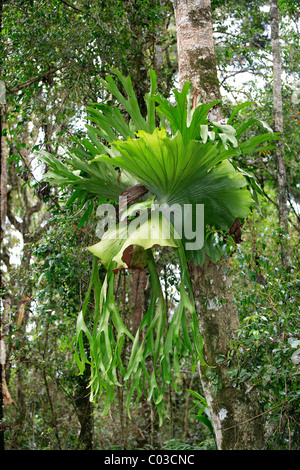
(3, 183)
(3, 207)
(84, 411)
(278, 127)
(139, 284)
(196, 56)
(159, 57)
(234, 413)
(3, 195)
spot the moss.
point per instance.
(240, 434)
(200, 17)
(203, 65)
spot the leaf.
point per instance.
(238, 108)
(87, 214)
(144, 232)
(192, 174)
(109, 245)
(198, 396)
(95, 178)
(151, 118)
(188, 165)
(130, 103)
(204, 133)
(181, 116)
(206, 423)
(109, 121)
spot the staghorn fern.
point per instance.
(186, 160)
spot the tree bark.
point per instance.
(3, 207)
(196, 57)
(234, 412)
(139, 284)
(3, 182)
(278, 127)
(3, 191)
(84, 411)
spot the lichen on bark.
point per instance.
(204, 68)
(200, 17)
(241, 425)
(196, 58)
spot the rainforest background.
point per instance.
(53, 57)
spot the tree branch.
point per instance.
(13, 220)
(34, 237)
(293, 208)
(255, 417)
(233, 74)
(276, 205)
(71, 6)
(31, 81)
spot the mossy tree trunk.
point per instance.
(235, 413)
(84, 411)
(196, 57)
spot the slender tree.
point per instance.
(235, 413)
(3, 206)
(278, 127)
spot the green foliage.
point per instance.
(185, 174)
(266, 347)
(41, 359)
(200, 404)
(174, 444)
(109, 333)
(98, 179)
(56, 50)
(188, 165)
